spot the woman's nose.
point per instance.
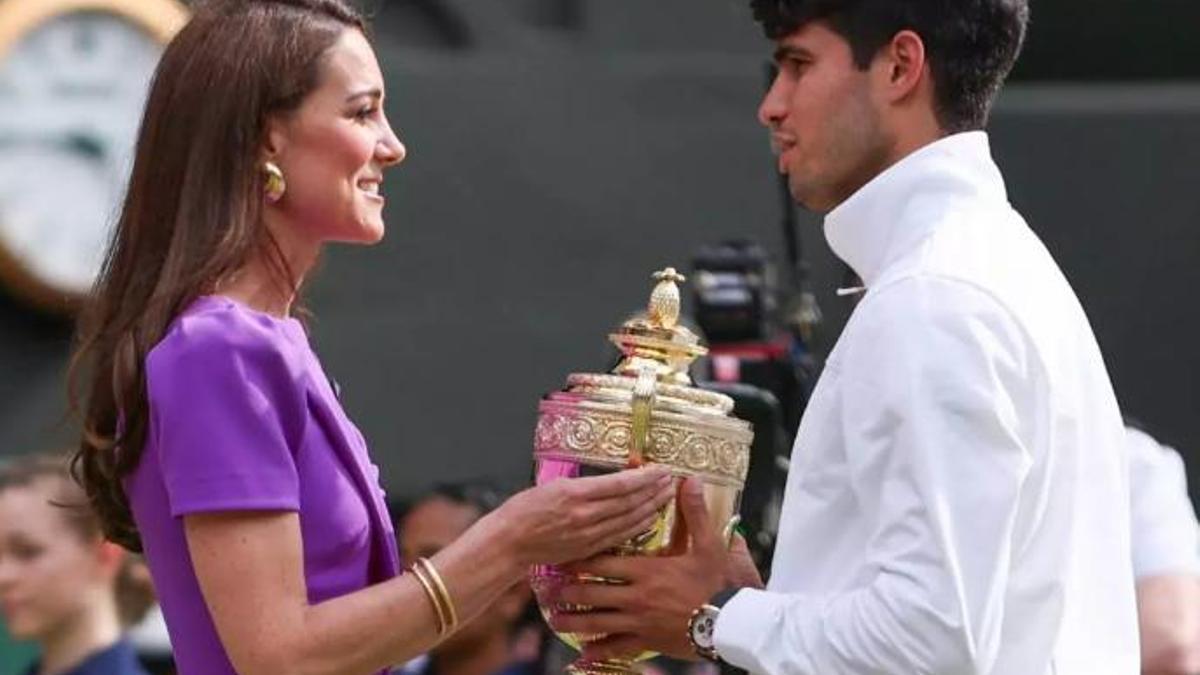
(391, 150)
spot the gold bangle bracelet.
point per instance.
(419, 573)
(443, 592)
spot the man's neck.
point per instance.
(910, 132)
(900, 144)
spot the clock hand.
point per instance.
(83, 144)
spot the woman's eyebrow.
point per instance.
(375, 93)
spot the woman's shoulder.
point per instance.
(218, 332)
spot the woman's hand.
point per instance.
(573, 519)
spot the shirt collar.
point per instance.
(899, 208)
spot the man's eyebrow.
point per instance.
(375, 93)
(786, 52)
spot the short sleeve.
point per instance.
(228, 410)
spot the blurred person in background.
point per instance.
(212, 437)
(62, 586)
(151, 640)
(1166, 557)
(505, 639)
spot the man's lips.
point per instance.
(781, 143)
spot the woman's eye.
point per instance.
(25, 553)
(364, 113)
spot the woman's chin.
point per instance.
(365, 234)
(374, 235)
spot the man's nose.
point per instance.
(774, 104)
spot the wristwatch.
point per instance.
(703, 624)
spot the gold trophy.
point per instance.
(646, 410)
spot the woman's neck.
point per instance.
(94, 629)
(263, 287)
(268, 283)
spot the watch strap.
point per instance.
(723, 596)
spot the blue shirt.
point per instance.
(119, 659)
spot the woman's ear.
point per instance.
(275, 140)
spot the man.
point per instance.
(1166, 558)
(958, 499)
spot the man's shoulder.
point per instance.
(980, 264)
(929, 323)
(925, 299)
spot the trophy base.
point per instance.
(602, 667)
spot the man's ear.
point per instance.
(903, 66)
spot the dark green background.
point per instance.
(14, 657)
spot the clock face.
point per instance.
(71, 97)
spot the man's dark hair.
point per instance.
(971, 45)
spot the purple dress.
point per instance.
(242, 418)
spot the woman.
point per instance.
(61, 585)
(212, 437)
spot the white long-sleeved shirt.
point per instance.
(1166, 536)
(958, 499)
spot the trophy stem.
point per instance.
(602, 667)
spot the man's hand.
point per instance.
(652, 609)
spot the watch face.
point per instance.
(702, 628)
(71, 97)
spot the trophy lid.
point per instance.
(655, 339)
(655, 343)
(647, 408)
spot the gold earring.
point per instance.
(276, 185)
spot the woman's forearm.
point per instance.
(251, 572)
(394, 621)
(250, 566)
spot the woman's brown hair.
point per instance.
(132, 588)
(192, 214)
